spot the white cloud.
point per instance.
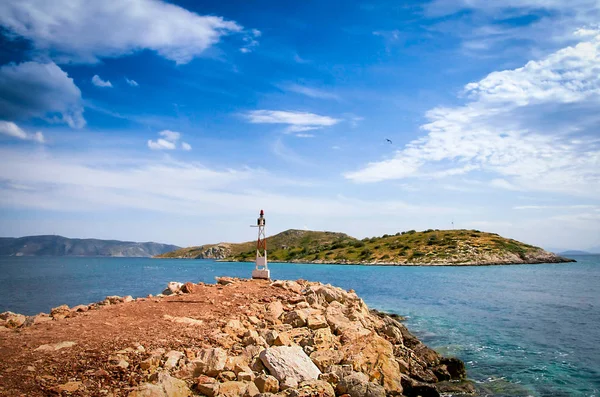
(310, 92)
(296, 121)
(161, 144)
(169, 135)
(132, 83)
(11, 129)
(84, 31)
(98, 82)
(531, 128)
(33, 89)
(168, 141)
(305, 135)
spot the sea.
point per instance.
(522, 330)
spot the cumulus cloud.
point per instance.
(11, 129)
(33, 89)
(168, 141)
(132, 83)
(531, 128)
(84, 31)
(98, 82)
(296, 121)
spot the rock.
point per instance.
(374, 356)
(330, 377)
(226, 376)
(274, 311)
(183, 320)
(358, 385)
(114, 299)
(323, 339)
(324, 359)
(246, 376)
(234, 328)
(267, 384)
(173, 387)
(341, 325)
(12, 320)
(252, 390)
(456, 368)
(286, 363)
(173, 358)
(316, 321)
(414, 388)
(128, 299)
(80, 308)
(232, 389)
(56, 346)
(147, 390)
(296, 318)
(68, 387)
(60, 312)
(208, 389)
(282, 339)
(453, 387)
(209, 361)
(37, 319)
(172, 288)
(188, 288)
(319, 388)
(251, 337)
(270, 336)
(224, 280)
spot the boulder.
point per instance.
(234, 328)
(172, 288)
(224, 280)
(12, 320)
(310, 388)
(232, 389)
(274, 311)
(414, 388)
(374, 356)
(324, 359)
(289, 362)
(316, 321)
(209, 361)
(166, 386)
(37, 319)
(456, 368)
(267, 384)
(295, 318)
(172, 359)
(60, 312)
(188, 288)
(323, 339)
(358, 385)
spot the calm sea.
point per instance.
(529, 330)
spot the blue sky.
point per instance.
(178, 121)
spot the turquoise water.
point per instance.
(530, 330)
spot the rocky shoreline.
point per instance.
(234, 338)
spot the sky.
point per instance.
(178, 121)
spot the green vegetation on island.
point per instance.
(429, 247)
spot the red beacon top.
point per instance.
(262, 212)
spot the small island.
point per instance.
(410, 248)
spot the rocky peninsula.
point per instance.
(234, 338)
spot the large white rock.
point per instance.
(289, 363)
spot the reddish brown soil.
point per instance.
(101, 333)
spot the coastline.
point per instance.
(330, 326)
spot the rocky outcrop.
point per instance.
(302, 339)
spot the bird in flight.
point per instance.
(389, 140)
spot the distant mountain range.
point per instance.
(575, 252)
(62, 246)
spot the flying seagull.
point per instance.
(389, 140)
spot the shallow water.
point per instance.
(527, 330)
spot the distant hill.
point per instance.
(574, 252)
(62, 246)
(430, 247)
